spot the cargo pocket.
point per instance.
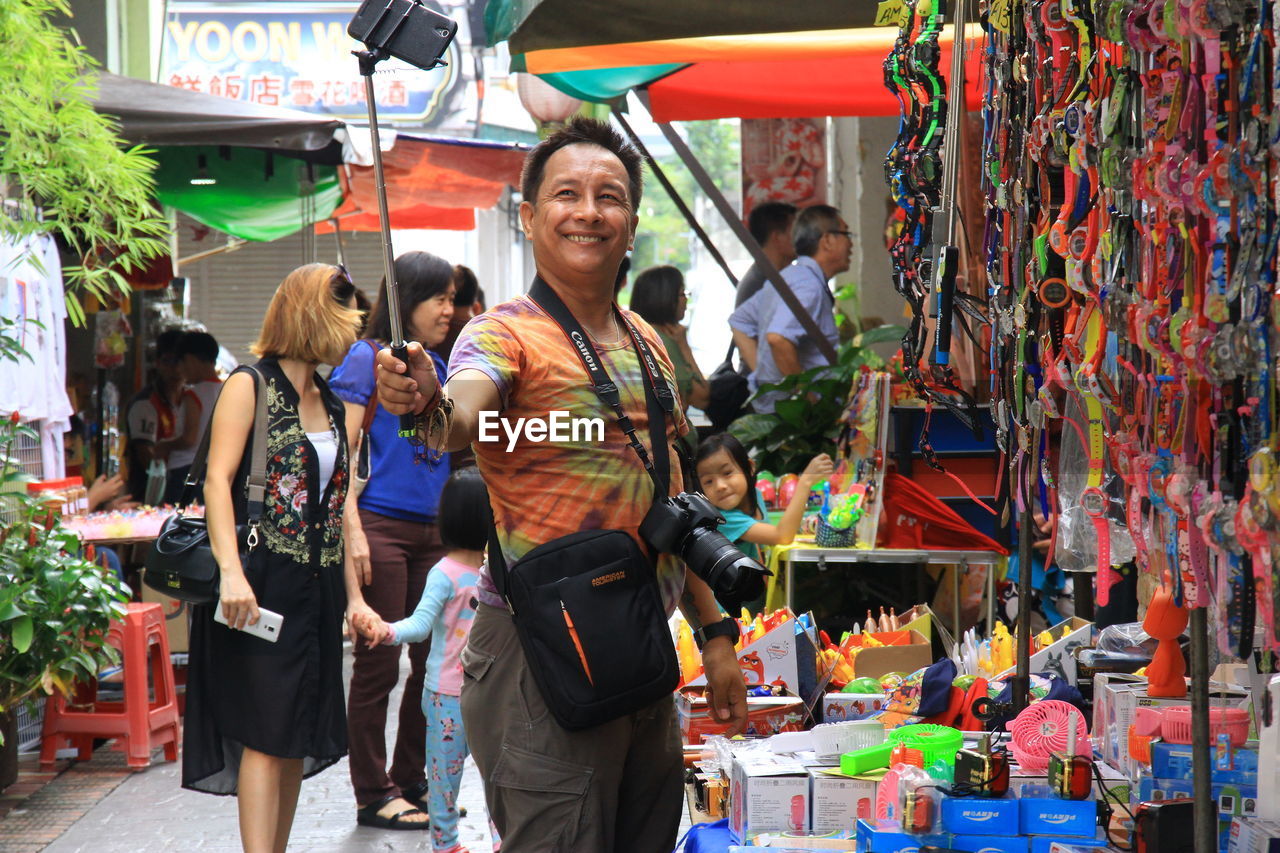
(539, 800)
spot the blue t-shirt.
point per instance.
(401, 483)
(737, 523)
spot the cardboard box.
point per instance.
(906, 651)
(766, 715)
(990, 843)
(1059, 657)
(175, 619)
(980, 815)
(1232, 767)
(1254, 835)
(1054, 844)
(836, 802)
(769, 660)
(767, 794)
(838, 707)
(1041, 814)
(889, 838)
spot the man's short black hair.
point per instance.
(200, 344)
(464, 515)
(770, 217)
(167, 342)
(465, 286)
(578, 130)
(812, 223)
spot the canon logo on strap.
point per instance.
(583, 350)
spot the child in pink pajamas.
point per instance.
(445, 613)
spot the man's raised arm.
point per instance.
(411, 388)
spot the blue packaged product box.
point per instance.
(990, 843)
(1229, 767)
(1044, 843)
(889, 838)
(980, 815)
(1041, 814)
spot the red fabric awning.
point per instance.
(844, 86)
(431, 183)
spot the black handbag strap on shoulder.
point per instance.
(659, 400)
(256, 485)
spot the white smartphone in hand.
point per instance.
(266, 628)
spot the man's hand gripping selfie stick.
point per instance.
(411, 32)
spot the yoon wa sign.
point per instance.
(298, 55)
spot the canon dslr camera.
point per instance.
(686, 527)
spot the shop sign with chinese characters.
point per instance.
(297, 56)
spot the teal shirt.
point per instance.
(737, 523)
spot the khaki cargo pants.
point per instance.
(615, 788)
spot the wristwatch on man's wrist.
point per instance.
(726, 627)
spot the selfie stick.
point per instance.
(379, 25)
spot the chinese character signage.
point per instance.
(298, 55)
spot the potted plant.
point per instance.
(807, 422)
(56, 603)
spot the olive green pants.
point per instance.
(615, 788)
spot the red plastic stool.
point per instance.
(141, 724)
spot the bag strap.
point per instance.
(371, 407)
(256, 486)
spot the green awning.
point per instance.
(258, 196)
(603, 85)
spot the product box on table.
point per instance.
(990, 843)
(889, 838)
(1039, 813)
(766, 715)
(838, 707)
(1254, 835)
(980, 815)
(1059, 656)
(1237, 766)
(1054, 844)
(1232, 800)
(903, 651)
(837, 801)
(769, 660)
(767, 794)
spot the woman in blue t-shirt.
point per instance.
(725, 476)
(392, 543)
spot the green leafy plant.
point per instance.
(56, 604)
(807, 421)
(67, 160)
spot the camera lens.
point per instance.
(734, 577)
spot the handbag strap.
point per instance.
(256, 486)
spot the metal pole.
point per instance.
(1026, 535)
(1206, 814)
(676, 199)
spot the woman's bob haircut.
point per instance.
(311, 317)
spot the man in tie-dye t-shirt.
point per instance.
(618, 786)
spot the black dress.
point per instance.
(285, 698)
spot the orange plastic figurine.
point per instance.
(1166, 674)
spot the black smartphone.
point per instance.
(406, 29)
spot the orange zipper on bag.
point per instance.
(577, 644)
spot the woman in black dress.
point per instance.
(262, 716)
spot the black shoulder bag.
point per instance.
(181, 563)
(586, 606)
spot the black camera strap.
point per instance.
(659, 401)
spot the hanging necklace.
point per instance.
(617, 330)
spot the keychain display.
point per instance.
(1130, 168)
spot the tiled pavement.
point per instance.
(100, 806)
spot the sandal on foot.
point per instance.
(417, 794)
(368, 816)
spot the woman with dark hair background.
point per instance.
(393, 543)
(659, 296)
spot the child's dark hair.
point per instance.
(725, 441)
(464, 516)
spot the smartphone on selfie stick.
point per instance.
(410, 31)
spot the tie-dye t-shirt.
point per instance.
(542, 490)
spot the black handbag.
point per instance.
(729, 392)
(586, 606)
(181, 563)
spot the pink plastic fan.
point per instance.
(1042, 729)
(887, 797)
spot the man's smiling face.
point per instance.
(581, 221)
